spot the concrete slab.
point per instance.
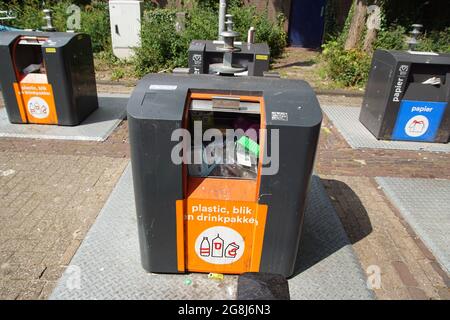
(425, 205)
(108, 261)
(346, 120)
(97, 127)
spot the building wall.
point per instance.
(273, 8)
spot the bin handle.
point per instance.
(226, 102)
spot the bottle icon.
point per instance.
(217, 247)
(231, 250)
(205, 248)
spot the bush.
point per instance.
(29, 13)
(349, 68)
(30, 16)
(160, 44)
(95, 22)
(266, 30)
(201, 24)
(391, 39)
(436, 41)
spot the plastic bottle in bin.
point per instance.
(205, 248)
(217, 247)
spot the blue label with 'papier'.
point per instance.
(418, 120)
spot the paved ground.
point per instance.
(327, 267)
(424, 203)
(51, 192)
(298, 63)
(96, 127)
(379, 235)
(346, 120)
(48, 203)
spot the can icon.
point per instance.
(231, 250)
(205, 248)
(217, 247)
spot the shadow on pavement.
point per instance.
(325, 231)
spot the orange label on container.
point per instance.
(37, 102)
(220, 236)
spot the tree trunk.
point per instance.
(357, 24)
(371, 36)
(373, 25)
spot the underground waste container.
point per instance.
(407, 96)
(221, 168)
(47, 77)
(204, 55)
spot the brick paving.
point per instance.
(52, 191)
(50, 194)
(48, 204)
(376, 229)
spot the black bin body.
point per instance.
(398, 105)
(158, 107)
(203, 53)
(66, 76)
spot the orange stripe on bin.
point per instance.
(234, 197)
(258, 238)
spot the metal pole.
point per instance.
(251, 35)
(222, 13)
(413, 41)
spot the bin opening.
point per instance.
(28, 60)
(426, 74)
(230, 138)
(225, 146)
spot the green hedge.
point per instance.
(95, 22)
(437, 41)
(348, 68)
(160, 43)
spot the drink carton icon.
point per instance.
(217, 247)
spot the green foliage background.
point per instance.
(94, 18)
(162, 47)
(350, 68)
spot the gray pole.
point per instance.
(222, 13)
(251, 35)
